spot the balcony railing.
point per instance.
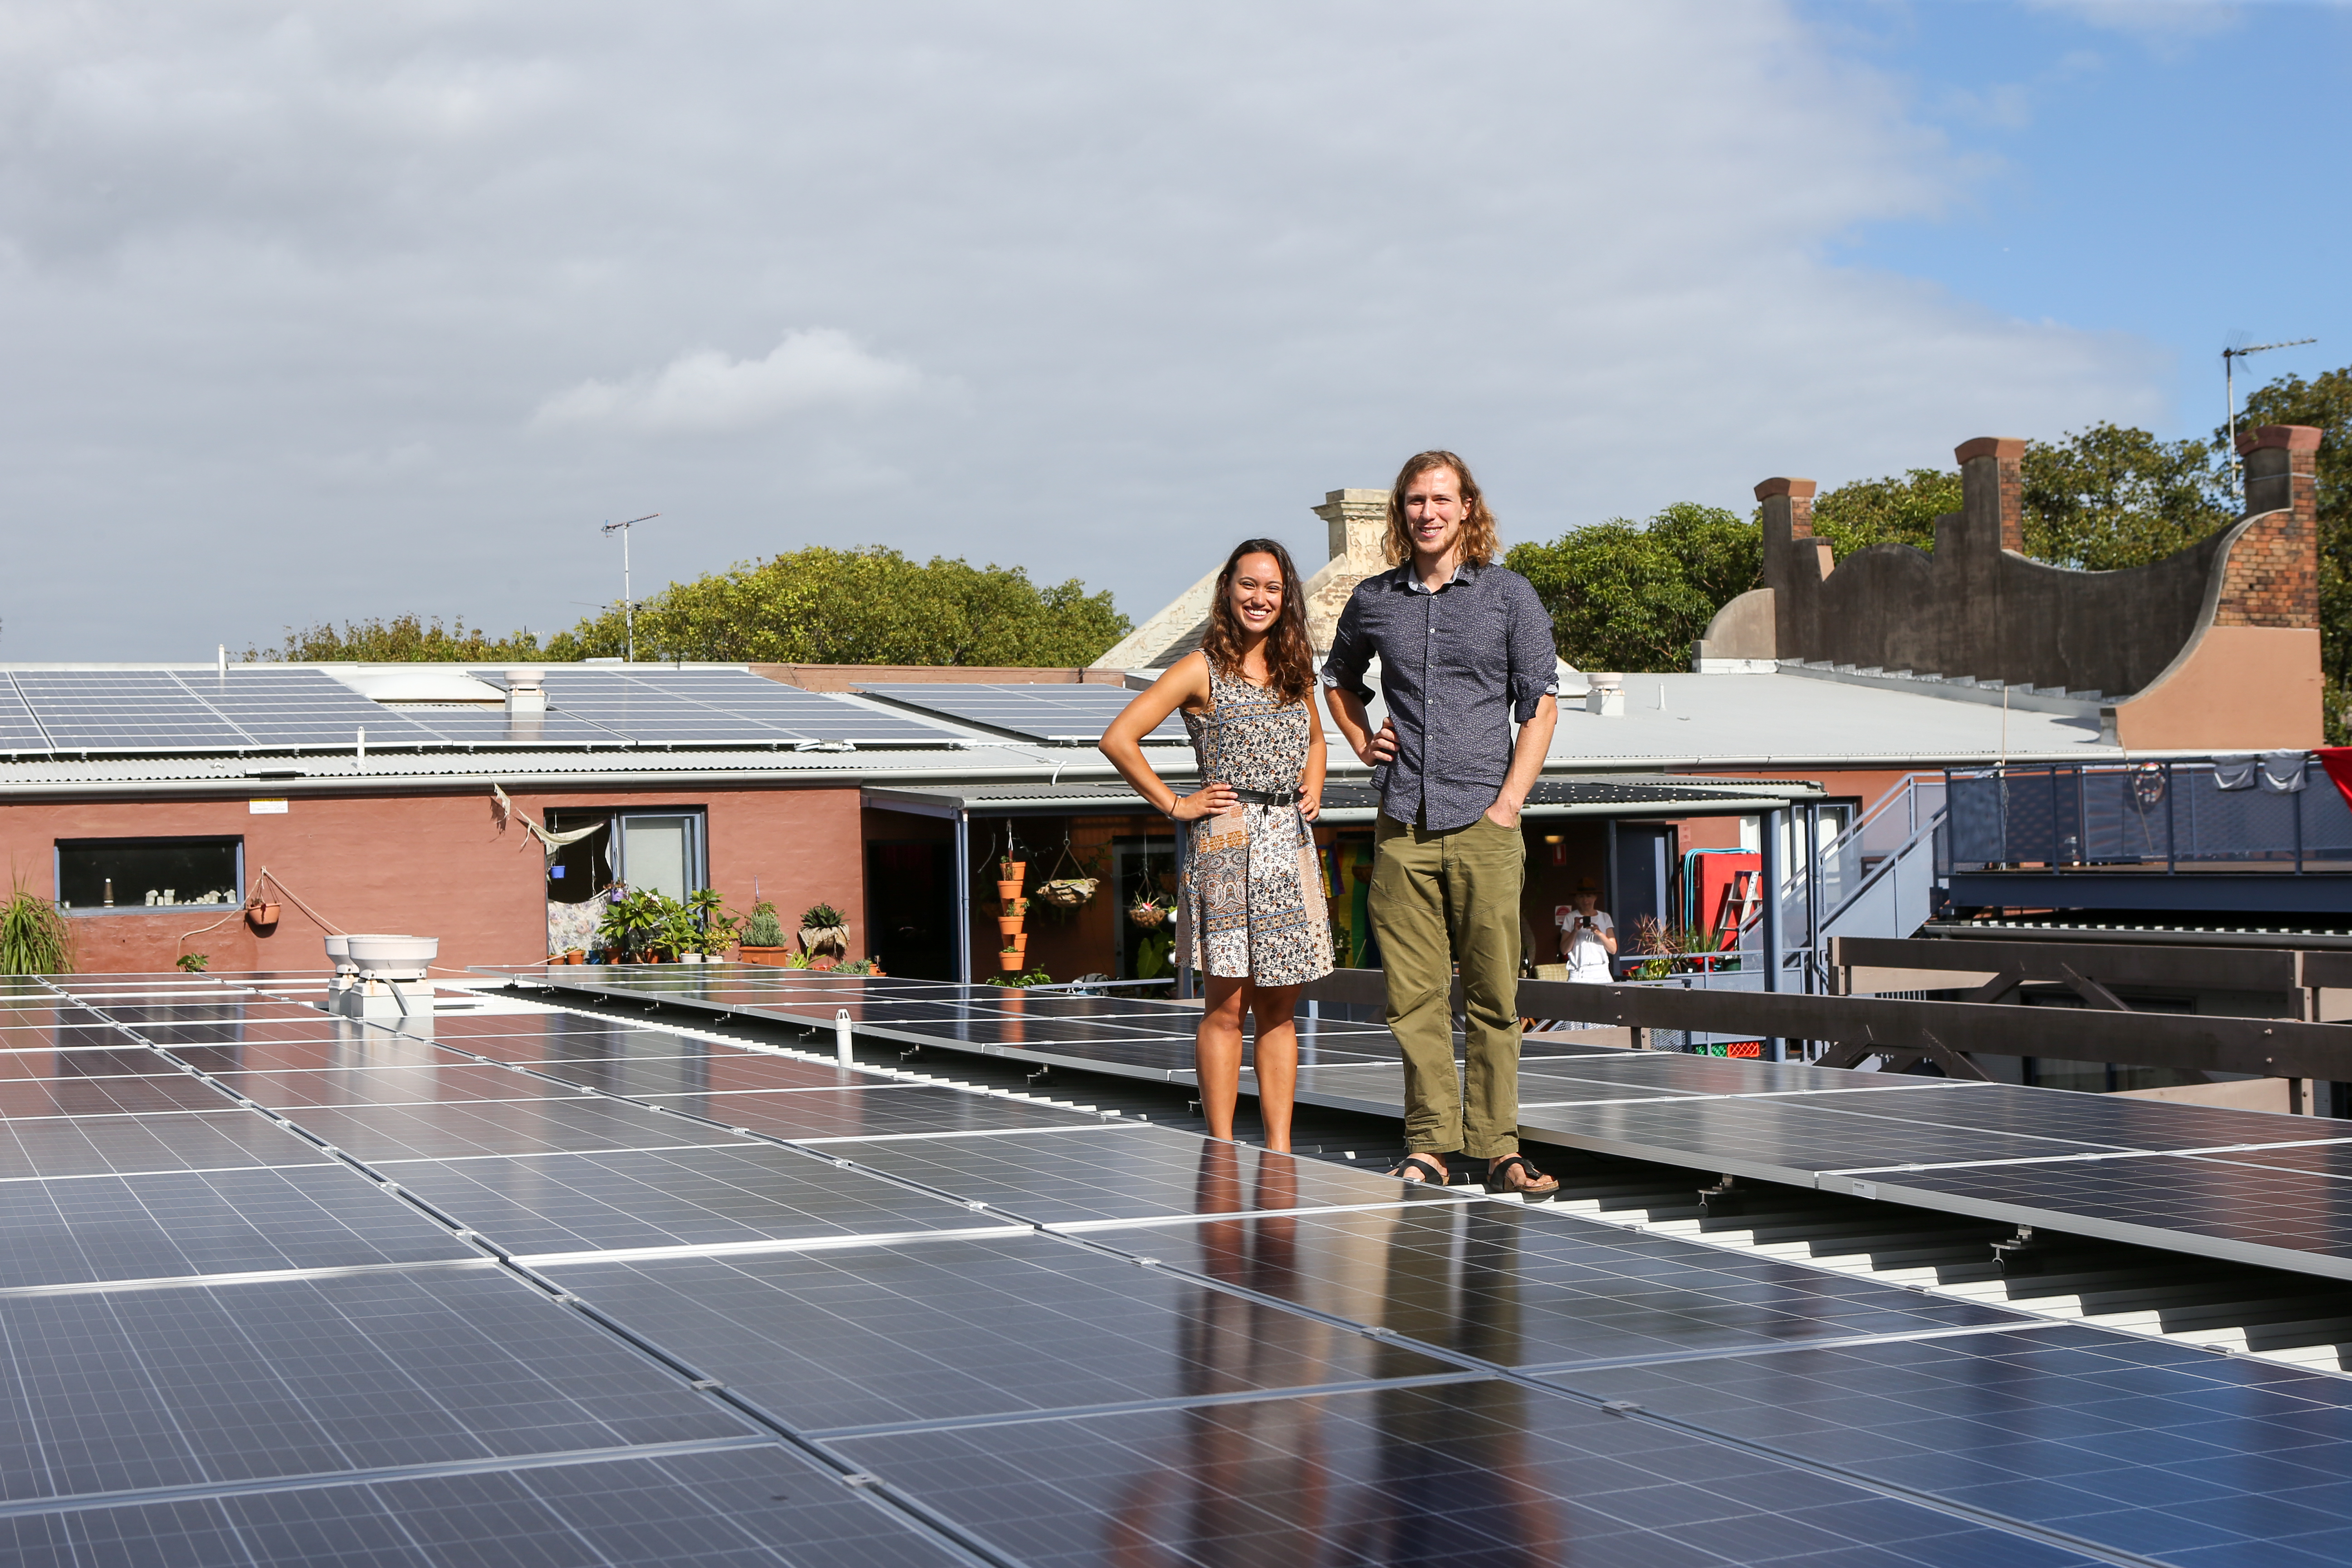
(2280, 816)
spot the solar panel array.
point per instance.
(249, 707)
(552, 1287)
(2003, 1151)
(1057, 714)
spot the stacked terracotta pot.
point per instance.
(1012, 912)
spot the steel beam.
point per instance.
(2276, 1047)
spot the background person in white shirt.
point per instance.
(1588, 937)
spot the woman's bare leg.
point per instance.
(1275, 1007)
(1217, 1051)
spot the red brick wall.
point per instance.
(430, 865)
(2272, 578)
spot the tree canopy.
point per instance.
(1635, 595)
(402, 638)
(814, 605)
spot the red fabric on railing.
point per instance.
(2338, 761)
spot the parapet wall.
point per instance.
(1978, 608)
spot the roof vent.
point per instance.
(526, 696)
(1605, 695)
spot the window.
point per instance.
(117, 876)
(659, 850)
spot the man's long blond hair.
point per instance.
(1478, 541)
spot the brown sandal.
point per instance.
(1499, 1180)
(1406, 1168)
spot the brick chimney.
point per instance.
(1791, 556)
(2282, 469)
(2272, 578)
(1992, 485)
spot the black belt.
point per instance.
(1265, 796)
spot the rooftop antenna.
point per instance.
(628, 604)
(2235, 351)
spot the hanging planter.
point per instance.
(1008, 925)
(1007, 891)
(1068, 891)
(1148, 913)
(261, 913)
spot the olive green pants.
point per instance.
(1442, 900)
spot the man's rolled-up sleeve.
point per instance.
(1534, 663)
(1352, 652)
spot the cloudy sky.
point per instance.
(334, 311)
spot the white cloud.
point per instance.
(708, 391)
(1183, 270)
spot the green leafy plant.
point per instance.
(194, 963)
(764, 929)
(34, 936)
(643, 921)
(818, 917)
(1014, 982)
(715, 929)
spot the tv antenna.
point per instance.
(2229, 358)
(628, 604)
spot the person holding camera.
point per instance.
(1588, 937)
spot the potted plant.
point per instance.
(714, 926)
(824, 929)
(763, 936)
(34, 936)
(1008, 958)
(261, 913)
(1149, 911)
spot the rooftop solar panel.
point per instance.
(125, 710)
(20, 731)
(301, 708)
(653, 705)
(1067, 715)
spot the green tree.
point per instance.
(401, 640)
(2325, 403)
(2110, 496)
(1633, 595)
(870, 605)
(1893, 510)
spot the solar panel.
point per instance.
(20, 731)
(721, 1196)
(210, 1222)
(961, 1326)
(1070, 715)
(2058, 1428)
(654, 706)
(1474, 1468)
(118, 710)
(301, 708)
(811, 715)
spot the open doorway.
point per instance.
(663, 851)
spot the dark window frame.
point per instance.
(58, 849)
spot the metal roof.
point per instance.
(1353, 803)
(1790, 721)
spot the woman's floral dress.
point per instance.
(1251, 903)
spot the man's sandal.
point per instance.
(1535, 1188)
(1421, 1170)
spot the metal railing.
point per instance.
(1872, 879)
(2280, 815)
